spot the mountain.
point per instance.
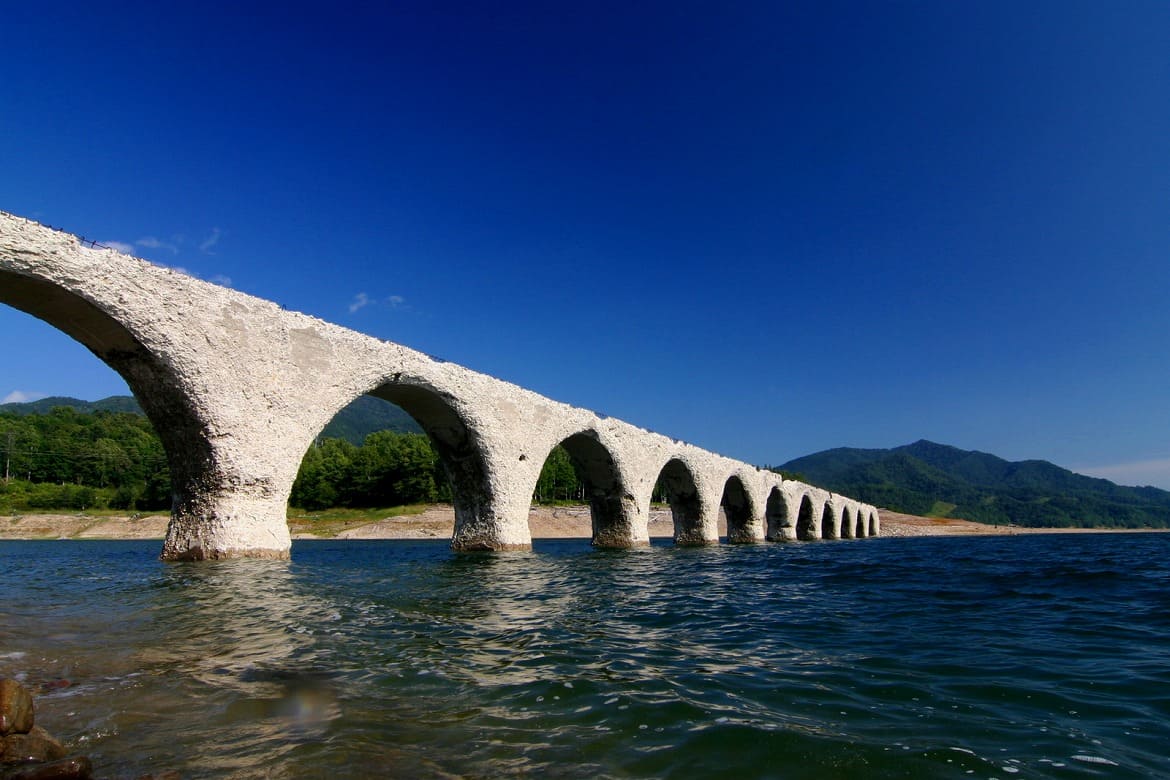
(364, 416)
(115, 403)
(925, 478)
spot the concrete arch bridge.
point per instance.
(238, 388)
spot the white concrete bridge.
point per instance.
(238, 388)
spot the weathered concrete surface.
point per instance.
(238, 388)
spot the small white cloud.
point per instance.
(221, 280)
(119, 246)
(21, 397)
(150, 242)
(395, 301)
(1154, 472)
(210, 242)
(360, 301)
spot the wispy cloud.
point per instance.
(1154, 472)
(119, 246)
(21, 397)
(360, 301)
(210, 242)
(150, 242)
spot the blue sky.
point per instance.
(766, 228)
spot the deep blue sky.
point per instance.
(765, 228)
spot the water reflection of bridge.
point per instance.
(238, 388)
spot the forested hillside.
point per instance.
(62, 453)
(925, 478)
(66, 459)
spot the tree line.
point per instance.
(67, 459)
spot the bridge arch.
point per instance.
(778, 522)
(611, 504)
(808, 526)
(740, 511)
(829, 522)
(681, 486)
(846, 523)
(205, 479)
(461, 452)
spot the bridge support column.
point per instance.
(228, 524)
(492, 514)
(619, 522)
(695, 523)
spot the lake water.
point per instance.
(988, 657)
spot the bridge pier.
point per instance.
(491, 510)
(227, 524)
(619, 522)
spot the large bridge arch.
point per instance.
(206, 481)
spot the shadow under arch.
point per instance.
(461, 454)
(185, 435)
(737, 508)
(610, 502)
(682, 493)
(807, 529)
(776, 517)
(829, 529)
(846, 524)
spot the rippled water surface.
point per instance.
(997, 657)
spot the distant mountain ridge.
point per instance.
(925, 478)
(115, 403)
(353, 423)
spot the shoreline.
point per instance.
(438, 522)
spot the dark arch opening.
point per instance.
(455, 444)
(678, 484)
(873, 521)
(806, 526)
(400, 444)
(829, 529)
(776, 516)
(372, 454)
(737, 508)
(596, 481)
(846, 524)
